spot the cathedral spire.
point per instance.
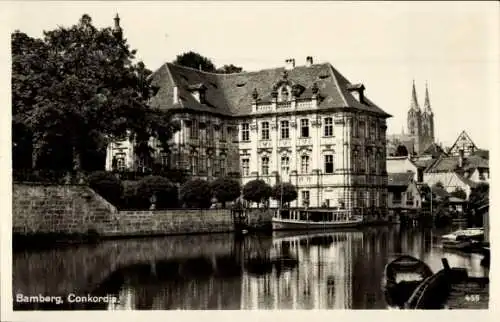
(427, 104)
(414, 102)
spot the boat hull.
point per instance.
(284, 224)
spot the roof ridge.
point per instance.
(334, 76)
(169, 73)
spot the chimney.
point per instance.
(176, 95)
(290, 63)
(309, 61)
(460, 158)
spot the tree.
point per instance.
(401, 151)
(285, 192)
(196, 61)
(257, 191)
(157, 190)
(107, 185)
(225, 190)
(229, 69)
(479, 195)
(196, 193)
(459, 193)
(76, 90)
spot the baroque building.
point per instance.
(307, 125)
(419, 135)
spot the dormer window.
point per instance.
(284, 94)
(357, 90)
(198, 91)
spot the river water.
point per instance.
(288, 270)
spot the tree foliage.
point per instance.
(459, 193)
(479, 195)
(107, 185)
(197, 61)
(285, 192)
(257, 191)
(401, 151)
(157, 188)
(225, 189)
(196, 193)
(76, 90)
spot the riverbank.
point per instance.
(76, 213)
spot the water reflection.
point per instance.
(292, 270)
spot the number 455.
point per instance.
(472, 298)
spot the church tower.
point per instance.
(414, 120)
(427, 119)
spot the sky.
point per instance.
(454, 46)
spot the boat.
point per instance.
(402, 277)
(323, 218)
(465, 239)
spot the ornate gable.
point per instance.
(463, 143)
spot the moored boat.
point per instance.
(306, 219)
(465, 239)
(402, 276)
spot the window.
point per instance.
(194, 164)
(304, 128)
(285, 130)
(305, 198)
(409, 198)
(120, 163)
(210, 165)
(328, 127)
(372, 131)
(194, 130)
(245, 132)
(245, 167)
(396, 199)
(329, 163)
(222, 164)
(355, 162)
(265, 166)
(304, 164)
(361, 129)
(223, 132)
(265, 131)
(285, 165)
(210, 132)
(164, 159)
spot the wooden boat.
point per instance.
(466, 239)
(402, 276)
(450, 288)
(305, 219)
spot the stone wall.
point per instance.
(77, 209)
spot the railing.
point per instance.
(284, 105)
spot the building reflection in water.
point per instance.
(322, 278)
(290, 270)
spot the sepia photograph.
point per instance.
(248, 155)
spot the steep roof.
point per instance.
(433, 149)
(400, 178)
(231, 94)
(450, 163)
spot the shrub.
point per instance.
(107, 185)
(459, 193)
(257, 191)
(225, 189)
(196, 193)
(164, 191)
(285, 192)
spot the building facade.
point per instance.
(307, 125)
